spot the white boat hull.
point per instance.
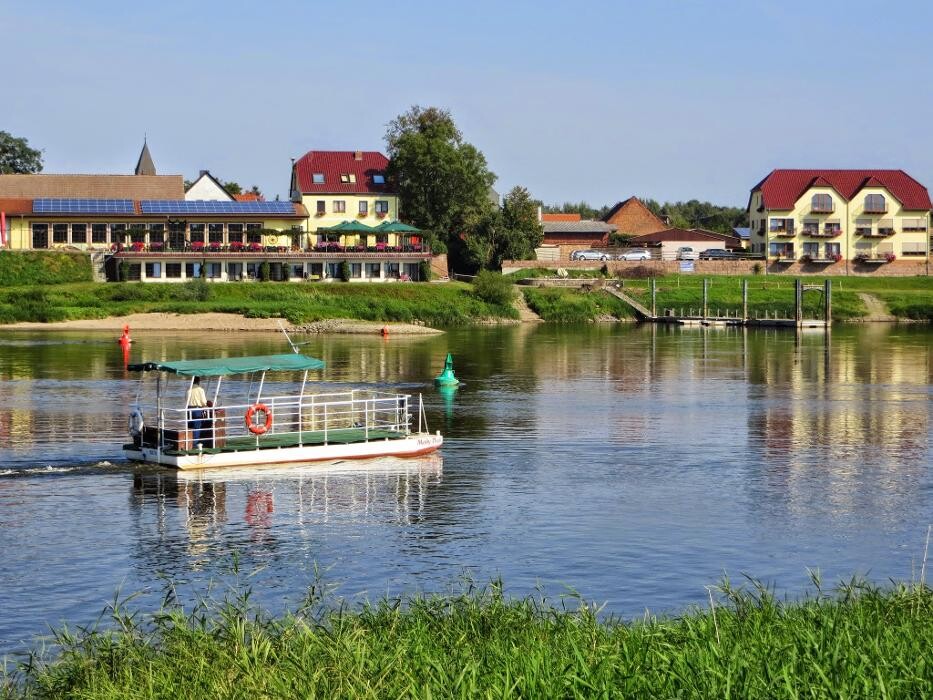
(410, 446)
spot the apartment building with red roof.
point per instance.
(871, 217)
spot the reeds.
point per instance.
(859, 641)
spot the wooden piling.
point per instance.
(827, 303)
(705, 297)
(744, 300)
(654, 294)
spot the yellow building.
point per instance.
(347, 186)
(870, 217)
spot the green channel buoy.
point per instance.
(447, 377)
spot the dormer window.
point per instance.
(317, 178)
(821, 202)
(379, 179)
(874, 203)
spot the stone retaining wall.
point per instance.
(897, 268)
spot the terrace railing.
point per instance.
(313, 419)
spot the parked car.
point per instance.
(636, 255)
(588, 255)
(717, 254)
(685, 252)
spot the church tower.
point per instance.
(145, 166)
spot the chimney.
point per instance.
(358, 155)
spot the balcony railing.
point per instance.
(822, 208)
(257, 250)
(873, 233)
(783, 232)
(876, 208)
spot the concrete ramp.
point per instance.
(643, 313)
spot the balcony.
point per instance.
(825, 233)
(253, 251)
(822, 208)
(783, 232)
(872, 233)
(876, 208)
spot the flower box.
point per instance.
(255, 247)
(197, 245)
(236, 246)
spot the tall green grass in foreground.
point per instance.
(859, 642)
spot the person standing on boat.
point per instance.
(197, 403)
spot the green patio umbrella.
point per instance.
(396, 227)
(348, 227)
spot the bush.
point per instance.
(264, 271)
(424, 270)
(493, 288)
(757, 268)
(345, 271)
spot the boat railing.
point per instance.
(314, 419)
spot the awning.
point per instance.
(347, 227)
(232, 365)
(396, 227)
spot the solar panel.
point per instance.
(157, 206)
(82, 206)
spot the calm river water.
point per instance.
(634, 465)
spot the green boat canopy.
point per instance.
(396, 227)
(232, 365)
(348, 227)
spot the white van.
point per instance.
(686, 253)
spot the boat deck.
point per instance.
(340, 436)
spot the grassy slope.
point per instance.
(573, 306)
(43, 267)
(436, 304)
(863, 643)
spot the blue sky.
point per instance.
(671, 99)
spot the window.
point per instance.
(252, 270)
(317, 178)
(821, 202)
(214, 270)
(782, 226)
(811, 249)
(176, 235)
(138, 233)
(156, 234)
(379, 179)
(413, 271)
(153, 270)
(364, 208)
(374, 270)
(235, 233)
(253, 233)
(173, 270)
(356, 270)
(348, 178)
(832, 250)
(59, 233)
(874, 203)
(392, 270)
(196, 233)
(215, 233)
(340, 206)
(333, 270)
(321, 206)
(79, 233)
(914, 225)
(192, 270)
(863, 227)
(782, 250)
(914, 248)
(117, 233)
(811, 227)
(134, 272)
(298, 270)
(98, 233)
(382, 206)
(40, 235)
(832, 228)
(316, 270)
(886, 227)
(235, 271)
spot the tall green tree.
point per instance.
(442, 181)
(511, 233)
(17, 157)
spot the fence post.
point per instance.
(705, 296)
(654, 292)
(798, 302)
(827, 303)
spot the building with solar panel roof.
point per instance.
(143, 227)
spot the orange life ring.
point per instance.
(258, 428)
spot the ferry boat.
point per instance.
(244, 420)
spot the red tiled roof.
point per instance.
(677, 234)
(560, 217)
(782, 188)
(249, 197)
(333, 164)
(15, 205)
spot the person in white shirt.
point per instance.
(197, 402)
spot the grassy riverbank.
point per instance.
(905, 297)
(449, 304)
(861, 642)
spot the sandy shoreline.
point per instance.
(221, 322)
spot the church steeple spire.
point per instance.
(145, 166)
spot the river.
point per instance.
(634, 465)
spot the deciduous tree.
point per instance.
(17, 157)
